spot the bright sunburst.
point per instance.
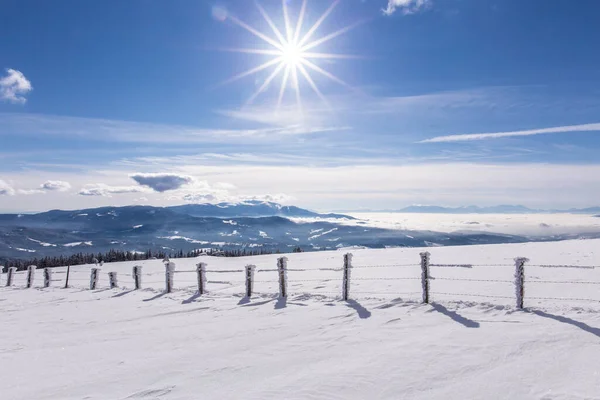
(293, 53)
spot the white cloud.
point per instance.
(14, 86)
(58, 186)
(198, 198)
(406, 6)
(162, 182)
(6, 189)
(101, 189)
(497, 135)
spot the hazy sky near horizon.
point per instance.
(350, 104)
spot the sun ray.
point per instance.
(252, 51)
(288, 26)
(256, 33)
(312, 84)
(300, 22)
(297, 87)
(271, 23)
(329, 37)
(330, 55)
(265, 84)
(323, 72)
(291, 51)
(283, 86)
(312, 30)
(254, 70)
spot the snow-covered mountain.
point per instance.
(252, 225)
(251, 208)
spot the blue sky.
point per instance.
(448, 102)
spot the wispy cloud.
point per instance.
(406, 6)
(497, 135)
(162, 182)
(103, 190)
(14, 86)
(142, 132)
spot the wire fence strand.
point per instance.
(562, 266)
(566, 282)
(472, 295)
(470, 280)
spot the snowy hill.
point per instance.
(471, 343)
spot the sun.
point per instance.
(293, 53)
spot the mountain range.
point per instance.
(250, 225)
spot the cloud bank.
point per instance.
(14, 86)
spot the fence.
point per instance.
(426, 282)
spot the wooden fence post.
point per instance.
(201, 270)
(520, 281)
(282, 269)
(67, 280)
(30, 276)
(94, 278)
(346, 278)
(169, 272)
(10, 275)
(47, 277)
(137, 277)
(425, 275)
(250, 279)
(112, 279)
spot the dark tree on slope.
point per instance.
(120, 255)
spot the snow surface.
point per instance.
(383, 344)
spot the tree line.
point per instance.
(120, 255)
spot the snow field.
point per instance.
(122, 344)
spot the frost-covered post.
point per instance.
(10, 275)
(250, 279)
(67, 280)
(30, 276)
(346, 278)
(201, 270)
(137, 277)
(169, 272)
(47, 277)
(520, 280)
(112, 279)
(94, 278)
(425, 275)
(282, 270)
